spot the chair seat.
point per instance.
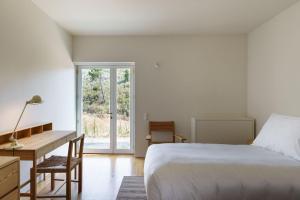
(56, 164)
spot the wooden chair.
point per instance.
(163, 127)
(62, 164)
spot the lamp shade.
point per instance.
(35, 100)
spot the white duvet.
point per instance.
(219, 172)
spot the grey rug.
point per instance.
(132, 188)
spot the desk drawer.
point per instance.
(14, 195)
(9, 178)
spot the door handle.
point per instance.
(110, 115)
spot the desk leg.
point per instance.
(33, 181)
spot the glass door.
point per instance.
(106, 108)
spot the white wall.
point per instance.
(35, 58)
(198, 74)
(274, 67)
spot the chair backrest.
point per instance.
(161, 127)
(73, 145)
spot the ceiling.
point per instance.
(161, 17)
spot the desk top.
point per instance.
(35, 142)
(42, 143)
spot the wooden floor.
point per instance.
(102, 176)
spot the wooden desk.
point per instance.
(35, 147)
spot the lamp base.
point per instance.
(14, 145)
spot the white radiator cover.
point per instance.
(222, 130)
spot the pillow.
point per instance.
(281, 134)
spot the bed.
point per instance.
(226, 172)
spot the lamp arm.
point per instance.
(13, 134)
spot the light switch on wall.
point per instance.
(146, 116)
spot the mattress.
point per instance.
(219, 172)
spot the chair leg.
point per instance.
(68, 185)
(52, 181)
(44, 174)
(32, 184)
(80, 178)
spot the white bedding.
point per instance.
(219, 172)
